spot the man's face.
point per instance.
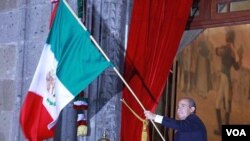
(184, 109)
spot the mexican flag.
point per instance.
(69, 63)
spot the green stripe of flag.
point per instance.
(79, 61)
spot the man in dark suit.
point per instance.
(189, 127)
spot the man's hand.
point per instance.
(149, 115)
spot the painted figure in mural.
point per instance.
(229, 58)
(203, 69)
(186, 65)
(189, 127)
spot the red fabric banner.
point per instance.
(155, 32)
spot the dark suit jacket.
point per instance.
(190, 129)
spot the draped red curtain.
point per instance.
(155, 31)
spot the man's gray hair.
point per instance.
(191, 102)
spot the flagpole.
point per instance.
(124, 81)
(118, 73)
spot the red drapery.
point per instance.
(155, 31)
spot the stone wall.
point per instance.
(22, 31)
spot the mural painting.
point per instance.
(214, 69)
